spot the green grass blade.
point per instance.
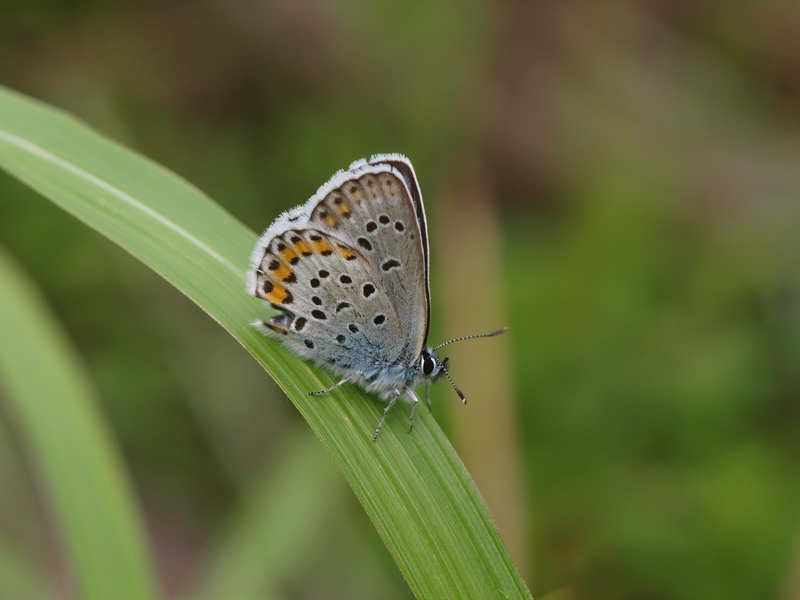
(54, 409)
(280, 518)
(413, 487)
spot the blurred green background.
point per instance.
(617, 182)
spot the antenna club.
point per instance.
(452, 383)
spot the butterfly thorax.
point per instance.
(385, 378)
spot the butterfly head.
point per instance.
(430, 365)
(432, 368)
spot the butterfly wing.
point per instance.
(403, 166)
(348, 271)
(331, 309)
(371, 208)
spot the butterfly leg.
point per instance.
(386, 410)
(428, 395)
(335, 385)
(410, 393)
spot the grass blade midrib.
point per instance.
(94, 180)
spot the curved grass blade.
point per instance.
(413, 487)
(286, 507)
(54, 410)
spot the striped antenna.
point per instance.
(450, 379)
(472, 337)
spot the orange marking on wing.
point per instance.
(276, 329)
(343, 207)
(279, 294)
(282, 272)
(346, 253)
(322, 246)
(302, 248)
(330, 220)
(289, 255)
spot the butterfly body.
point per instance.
(348, 273)
(385, 378)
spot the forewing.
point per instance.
(370, 208)
(406, 169)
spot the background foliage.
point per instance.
(617, 183)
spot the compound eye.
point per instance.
(428, 365)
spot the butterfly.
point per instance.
(348, 273)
